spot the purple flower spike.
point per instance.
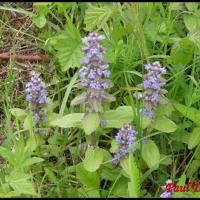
(152, 84)
(36, 96)
(94, 72)
(125, 139)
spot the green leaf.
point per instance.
(39, 20)
(19, 182)
(182, 52)
(88, 193)
(195, 37)
(181, 181)
(33, 160)
(68, 44)
(189, 112)
(8, 155)
(116, 118)
(89, 179)
(164, 124)
(134, 185)
(90, 122)
(114, 147)
(63, 6)
(50, 175)
(96, 17)
(194, 138)
(165, 160)
(193, 168)
(93, 159)
(18, 113)
(192, 6)
(191, 22)
(131, 169)
(177, 6)
(151, 154)
(79, 99)
(28, 122)
(67, 121)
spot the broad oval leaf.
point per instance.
(89, 179)
(194, 138)
(67, 121)
(182, 52)
(90, 122)
(93, 159)
(151, 154)
(164, 124)
(191, 22)
(116, 118)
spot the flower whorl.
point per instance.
(125, 138)
(94, 71)
(36, 96)
(152, 84)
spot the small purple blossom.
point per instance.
(152, 84)
(166, 193)
(103, 122)
(125, 139)
(36, 96)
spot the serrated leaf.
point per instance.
(67, 121)
(90, 122)
(68, 44)
(164, 124)
(89, 179)
(93, 159)
(20, 183)
(151, 154)
(96, 17)
(50, 175)
(8, 155)
(31, 161)
(194, 138)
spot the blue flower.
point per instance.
(152, 84)
(103, 122)
(94, 71)
(125, 139)
(36, 96)
(166, 194)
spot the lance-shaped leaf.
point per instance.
(79, 99)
